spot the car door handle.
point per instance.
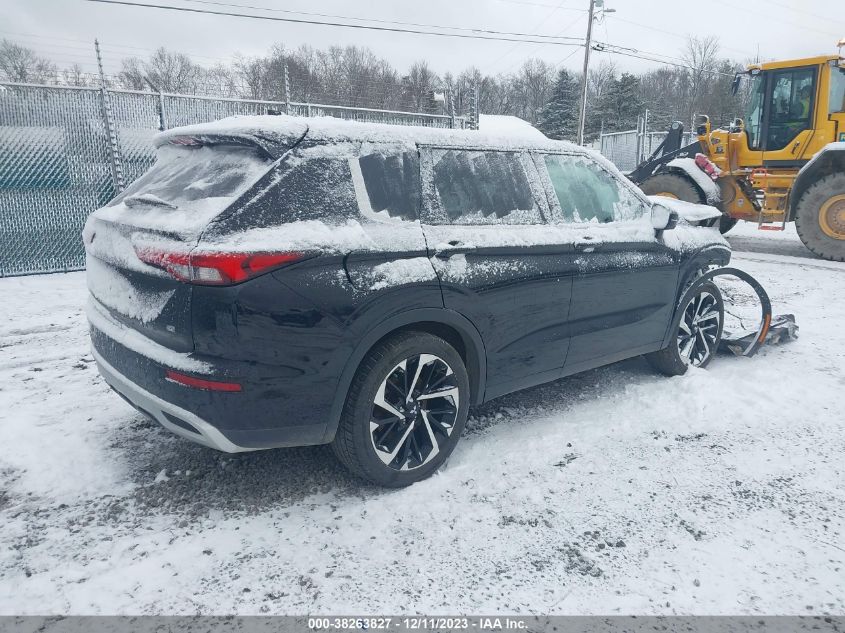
(585, 247)
(452, 247)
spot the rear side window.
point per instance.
(391, 183)
(482, 187)
(588, 193)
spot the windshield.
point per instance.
(187, 187)
(754, 111)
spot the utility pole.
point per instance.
(588, 45)
(582, 120)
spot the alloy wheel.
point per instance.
(414, 412)
(698, 330)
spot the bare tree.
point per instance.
(418, 86)
(702, 56)
(18, 63)
(74, 76)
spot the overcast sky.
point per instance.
(63, 29)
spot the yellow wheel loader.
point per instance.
(784, 161)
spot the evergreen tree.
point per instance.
(559, 117)
(620, 105)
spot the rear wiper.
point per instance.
(148, 199)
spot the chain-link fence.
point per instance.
(58, 161)
(628, 149)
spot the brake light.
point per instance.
(201, 383)
(215, 269)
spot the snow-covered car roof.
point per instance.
(277, 133)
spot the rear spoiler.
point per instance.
(272, 144)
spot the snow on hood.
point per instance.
(689, 211)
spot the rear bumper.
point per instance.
(172, 417)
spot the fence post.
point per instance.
(451, 105)
(473, 109)
(287, 89)
(111, 132)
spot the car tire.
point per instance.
(393, 437)
(695, 340)
(818, 217)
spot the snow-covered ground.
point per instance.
(614, 491)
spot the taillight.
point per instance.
(214, 269)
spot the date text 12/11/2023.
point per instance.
(417, 623)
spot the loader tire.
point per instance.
(672, 186)
(820, 217)
(681, 188)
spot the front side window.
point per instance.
(837, 90)
(482, 187)
(754, 112)
(588, 193)
(790, 106)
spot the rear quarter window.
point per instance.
(308, 185)
(388, 183)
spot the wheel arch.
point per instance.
(830, 160)
(449, 325)
(711, 255)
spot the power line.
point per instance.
(376, 20)
(540, 47)
(675, 34)
(348, 26)
(602, 47)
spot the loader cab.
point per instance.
(780, 108)
(792, 108)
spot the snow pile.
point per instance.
(402, 271)
(503, 125)
(711, 190)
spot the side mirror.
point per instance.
(663, 218)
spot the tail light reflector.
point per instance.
(215, 269)
(201, 383)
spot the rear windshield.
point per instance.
(188, 186)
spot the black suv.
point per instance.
(277, 281)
